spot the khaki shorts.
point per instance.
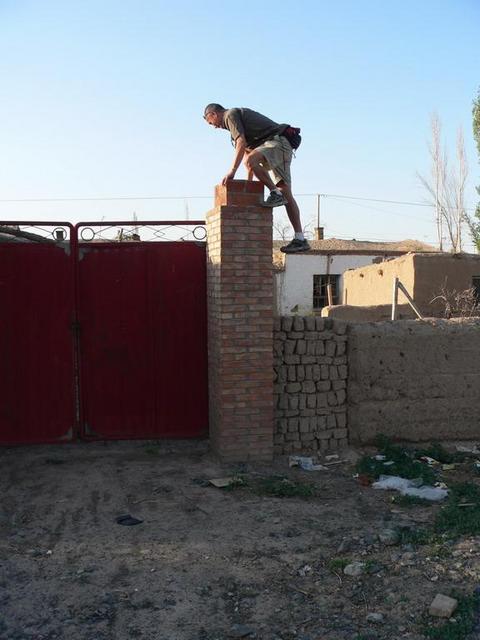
(278, 158)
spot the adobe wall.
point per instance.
(423, 275)
(372, 285)
(455, 272)
(310, 373)
(414, 380)
(374, 313)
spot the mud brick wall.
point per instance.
(414, 380)
(310, 390)
(240, 322)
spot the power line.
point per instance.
(122, 198)
(390, 213)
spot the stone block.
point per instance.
(304, 425)
(442, 606)
(293, 387)
(332, 399)
(324, 435)
(289, 347)
(319, 324)
(281, 426)
(281, 335)
(287, 323)
(340, 433)
(308, 386)
(343, 372)
(291, 373)
(298, 323)
(291, 436)
(277, 323)
(308, 359)
(308, 372)
(311, 401)
(310, 323)
(341, 348)
(301, 348)
(302, 402)
(319, 348)
(300, 373)
(292, 425)
(334, 372)
(278, 388)
(330, 348)
(307, 413)
(340, 327)
(321, 423)
(295, 335)
(283, 402)
(293, 401)
(341, 419)
(291, 413)
(341, 396)
(322, 400)
(308, 437)
(316, 372)
(324, 372)
(311, 348)
(292, 359)
(324, 385)
(331, 422)
(311, 336)
(339, 384)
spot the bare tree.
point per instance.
(283, 230)
(446, 186)
(457, 304)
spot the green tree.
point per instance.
(474, 222)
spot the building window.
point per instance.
(476, 287)
(320, 297)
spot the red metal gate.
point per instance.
(36, 349)
(135, 363)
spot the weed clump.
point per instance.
(281, 487)
(461, 513)
(402, 462)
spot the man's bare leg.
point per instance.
(293, 211)
(253, 163)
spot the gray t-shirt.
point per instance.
(253, 125)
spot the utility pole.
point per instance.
(318, 228)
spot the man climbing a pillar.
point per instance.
(264, 147)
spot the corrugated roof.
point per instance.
(354, 247)
(334, 244)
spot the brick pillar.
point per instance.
(240, 322)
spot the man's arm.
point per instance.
(240, 146)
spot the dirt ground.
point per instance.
(206, 563)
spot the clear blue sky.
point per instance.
(105, 99)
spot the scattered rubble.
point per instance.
(278, 553)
